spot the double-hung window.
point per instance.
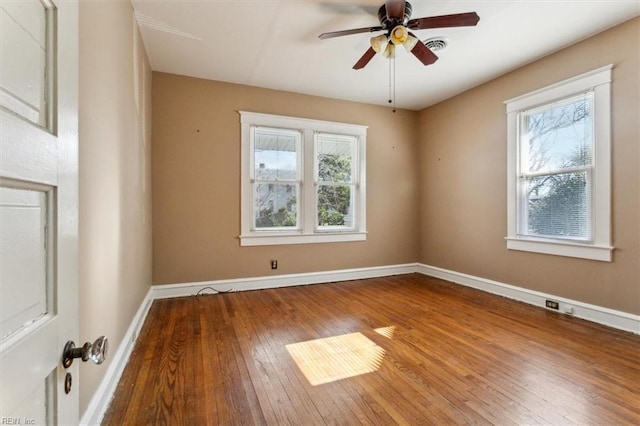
(303, 181)
(559, 168)
(335, 181)
(275, 181)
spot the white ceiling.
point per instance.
(274, 43)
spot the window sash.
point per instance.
(525, 176)
(524, 210)
(296, 134)
(352, 181)
(353, 197)
(275, 180)
(276, 215)
(524, 116)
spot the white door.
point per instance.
(38, 209)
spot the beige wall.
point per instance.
(436, 181)
(115, 179)
(463, 179)
(196, 183)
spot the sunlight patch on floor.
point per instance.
(334, 358)
(386, 331)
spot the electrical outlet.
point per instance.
(274, 264)
(552, 304)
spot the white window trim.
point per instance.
(307, 232)
(600, 248)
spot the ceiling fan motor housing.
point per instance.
(390, 24)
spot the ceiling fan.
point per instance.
(395, 21)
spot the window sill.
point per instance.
(561, 248)
(325, 237)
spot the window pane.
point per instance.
(557, 205)
(335, 206)
(558, 136)
(276, 205)
(335, 158)
(275, 154)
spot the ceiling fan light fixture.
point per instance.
(378, 43)
(389, 51)
(399, 35)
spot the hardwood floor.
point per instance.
(399, 350)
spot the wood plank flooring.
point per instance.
(411, 350)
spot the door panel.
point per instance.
(23, 246)
(26, 367)
(34, 404)
(23, 80)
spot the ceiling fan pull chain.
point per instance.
(394, 84)
(389, 80)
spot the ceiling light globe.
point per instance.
(378, 43)
(390, 50)
(399, 35)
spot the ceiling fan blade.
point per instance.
(364, 60)
(456, 20)
(349, 32)
(395, 9)
(423, 53)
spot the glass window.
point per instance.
(559, 168)
(556, 163)
(303, 181)
(276, 178)
(335, 164)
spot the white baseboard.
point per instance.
(101, 399)
(609, 317)
(100, 402)
(241, 284)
